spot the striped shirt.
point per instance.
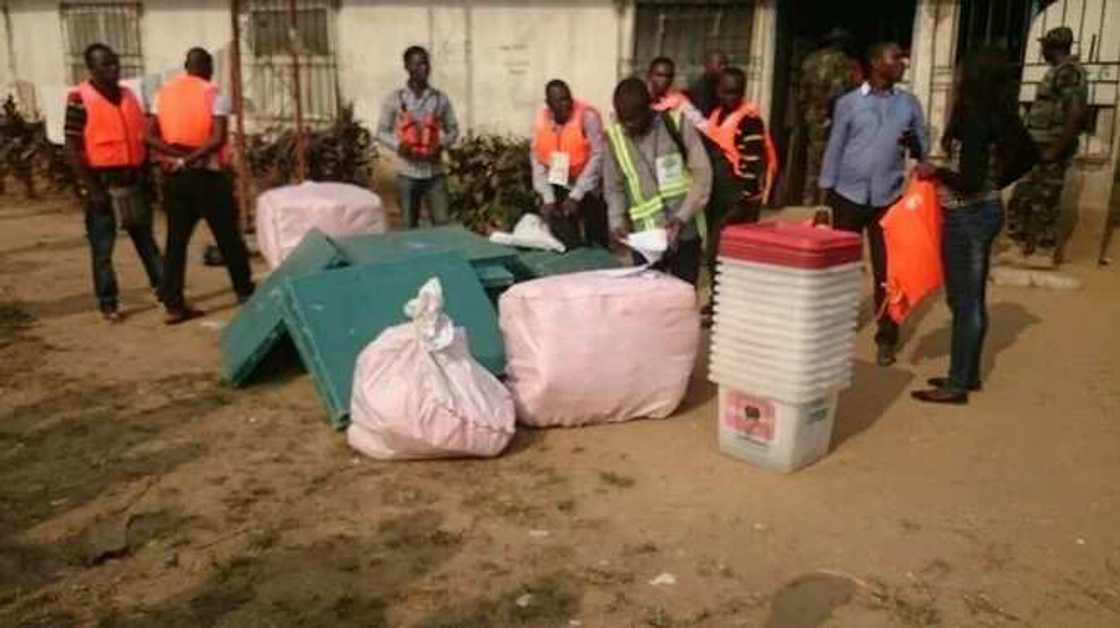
(751, 142)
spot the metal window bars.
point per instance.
(1011, 23)
(116, 24)
(684, 31)
(287, 42)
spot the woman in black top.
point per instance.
(988, 149)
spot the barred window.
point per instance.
(684, 30)
(115, 24)
(267, 66)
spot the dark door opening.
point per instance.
(801, 27)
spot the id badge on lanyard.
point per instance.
(669, 170)
(559, 168)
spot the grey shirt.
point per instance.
(589, 179)
(656, 143)
(431, 101)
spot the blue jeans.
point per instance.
(413, 193)
(101, 231)
(966, 249)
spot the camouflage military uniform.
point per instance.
(1035, 208)
(825, 76)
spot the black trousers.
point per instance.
(587, 227)
(682, 262)
(195, 195)
(850, 216)
(728, 205)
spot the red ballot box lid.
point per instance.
(791, 244)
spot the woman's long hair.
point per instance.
(985, 87)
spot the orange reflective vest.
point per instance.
(420, 133)
(912, 234)
(569, 138)
(114, 134)
(185, 111)
(724, 135)
(186, 115)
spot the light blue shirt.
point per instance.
(864, 161)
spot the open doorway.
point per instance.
(802, 26)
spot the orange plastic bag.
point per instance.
(912, 231)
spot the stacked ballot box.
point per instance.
(787, 301)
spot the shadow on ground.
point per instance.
(874, 389)
(360, 580)
(80, 442)
(1007, 321)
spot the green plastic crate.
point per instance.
(494, 276)
(258, 326)
(332, 316)
(400, 246)
(536, 264)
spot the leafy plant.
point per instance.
(343, 152)
(27, 154)
(490, 182)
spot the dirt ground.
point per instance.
(210, 506)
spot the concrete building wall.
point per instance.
(38, 49)
(35, 67)
(932, 58)
(168, 28)
(760, 64)
(7, 71)
(492, 58)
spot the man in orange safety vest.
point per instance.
(105, 147)
(188, 135)
(567, 160)
(744, 162)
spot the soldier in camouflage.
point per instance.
(1055, 120)
(826, 75)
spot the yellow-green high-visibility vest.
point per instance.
(645, 213)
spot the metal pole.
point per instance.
(241, 162)
(297, 93)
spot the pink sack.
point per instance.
(286, 214)
(418, 393)
(599, 347)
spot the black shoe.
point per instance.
(886, 355)
(941, 395)
(182, 314)
(242, 299)
(943, 382)
(213, 256)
